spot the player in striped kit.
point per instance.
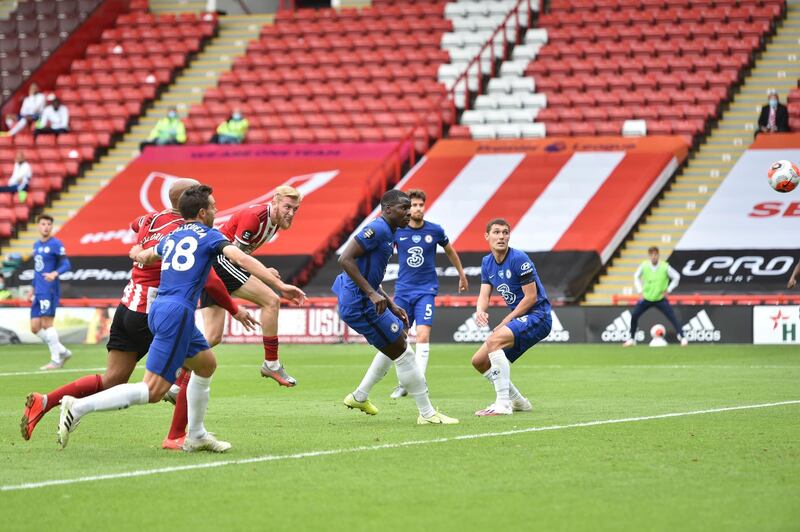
(130, 337)
(248, 229)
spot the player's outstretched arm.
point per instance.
(481, 312)
(347, 260)
(455, 260)
(795, 274)
(241, 259)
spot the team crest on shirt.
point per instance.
(508, 274)
(369, 232)
(394, 327)
(416, 239)
(502, 274)
(47, 249)
(428, 239)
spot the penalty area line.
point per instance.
(351, 450)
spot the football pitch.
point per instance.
(701, 438)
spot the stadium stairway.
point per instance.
(177, 6)
(216, 57)
(777, 68)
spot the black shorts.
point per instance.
(232, 276)
(129, 332)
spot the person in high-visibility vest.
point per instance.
(168, 130)
(233, 130)
(654, 279)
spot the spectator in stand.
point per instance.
(29, 112)
(233, 130)
(169, 130)
(20, 177)
(55, 118)
(774, 116)
(795, 274)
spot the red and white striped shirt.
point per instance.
(251, 227)
(142, 289)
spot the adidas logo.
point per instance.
(619, 330)
(469, 331)
(558, 333)
(701, 329)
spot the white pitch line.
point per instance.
(50, 372)
(350, 450)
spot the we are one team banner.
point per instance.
(335, 180)
(746, 239)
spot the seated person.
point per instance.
(168, 130)
(774, 116)
(20, 177)
(55, 118)
(233, 130)
(29, 112)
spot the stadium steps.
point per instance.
(777, 68)
(217, 56)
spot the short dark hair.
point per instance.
(652, 249)
(416, 193)
(391, 197)
(497, 221)
(193, 199)
(44, 217)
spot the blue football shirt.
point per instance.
(186, 259)
(416, 255)
(509, 276)
(48, 256)
(377, 240)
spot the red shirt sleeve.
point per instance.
(247, 227)
(216, 288)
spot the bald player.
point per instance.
(130, 338)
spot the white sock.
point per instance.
(413, 381)
(197, 394)
(501, 366)
(377, 370)
(513, 393)
(116, 398)
(53, 340)
(273, 365)
(423, 351)
(54, 353)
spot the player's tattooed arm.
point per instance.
(143, 256)
(481, 314)
(455, 260)
(238, 257)
(347, 260)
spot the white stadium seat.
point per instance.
(537, 35)
(484, 132)
(472, 117)
(508, 131)
(634, 128)
(533, 131)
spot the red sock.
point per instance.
(270, 348)
(180, 417)
(82, 387)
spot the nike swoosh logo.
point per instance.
(403, 238)
(491, 277)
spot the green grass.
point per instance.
(732, 470)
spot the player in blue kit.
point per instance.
(49, 262)
(186, 255)
(365, 307)
(512, 273)
(417, 282)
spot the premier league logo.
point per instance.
(416, 239)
